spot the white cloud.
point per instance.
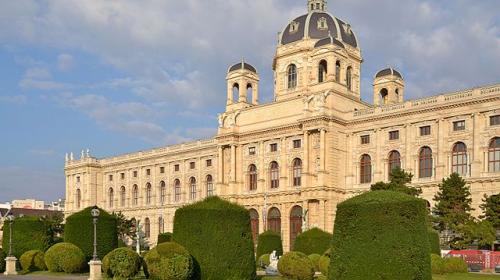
(65, 62)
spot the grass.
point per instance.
(459, 276)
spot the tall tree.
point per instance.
(453, 203)
(124, 226)
(400, 181)
(491, 210)
(479, 233)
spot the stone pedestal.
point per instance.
(95, 270)
(10, 266)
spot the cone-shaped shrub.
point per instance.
(33, 260)
(434, 242)
(28, 233)
(79, 230)
(217, 233)
(313, 241)
(268, 242)
(381, 235)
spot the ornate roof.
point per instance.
(388, 72)
(242, 65)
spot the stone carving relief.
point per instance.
(228, 120)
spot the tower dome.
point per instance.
(388, 72)
(318, 24)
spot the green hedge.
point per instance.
(173, 263)
(381, 235)
(447, 265)
(33, 260)
(3, 255)
(434, 242)
(28, 233)
(64, 257)
(296, 265)
(121, 263)
(267, 242)
(217, 233)
(79, 230)
(164, 237)
(313, 241)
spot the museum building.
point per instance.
(291, 161)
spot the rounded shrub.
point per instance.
(169, 249)
(174, 263)
(33, 260)
(267, 242)
(28, 233)
(264, 261)
(149, 257)
(164, 237)
(315, 260)
(455, 265)
(64, 257)
(381, 235)
(313, 241)
(122, 263)
(324, 262)
(79, 230)
(437, 264)
(3, 255)
(296, 265)
(217, 233)
(434, 242)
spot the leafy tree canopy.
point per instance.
(125, 227)
(491, 209)
(479, 233)
(399, 182)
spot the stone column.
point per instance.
(229, 93)
(95, 270)
(283, 162)
(10, 266)
(233, 163)
(322, 153)
(305, 173)
(475, 156)
(261, 180)
(220, 166)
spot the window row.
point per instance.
(147, 172)
(274, 175)
(273, 147)
(459, 161)
(147, 226)
(292, 74)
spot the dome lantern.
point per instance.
(316, 5)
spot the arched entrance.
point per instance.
(295, 224)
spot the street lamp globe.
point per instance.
(95, 212)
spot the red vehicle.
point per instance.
(477, 259)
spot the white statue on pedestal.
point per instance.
(272, 269)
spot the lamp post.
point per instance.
(95, 263)
(10, 261)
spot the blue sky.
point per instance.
(121, 76)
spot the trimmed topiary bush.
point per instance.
(164, 237)
(217, 233)
(381, 235)
(313, 241)
(3, 255)
(267, 242)
(434, 242)
(264, 261)
(324, 262)
(79, 230)
(170, 249)
(64, 257)
(315, 260)
(33, 260)
(174, 263)
(121, 263)
(296, 265)
(28, 233)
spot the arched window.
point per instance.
(292, 76)
(322, 71)
(274, 173)
(123, 196)
(459, 159)
(274, 220)
(135, 195)
(365, 169)
(192, 188)
(210, 185)
(297, 172)
(249, 93)
(148, 194)
(252, 177)
(394, 161)
(384, 95)
(177, 190)
(295, 223)
(254, 222)
(494, 155)
(78, 198)
(236, 92)
(337, 71)
(425, 162)
(161, 225)
(111, 197)
(163, 192)
(348, 77)
(147, 228)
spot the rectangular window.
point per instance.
(162, 170)
(365, 139)
(425, 130)
(148, 172)
(192, 165)
(495, 120)
(297, 144)
(135, 174)
(394, 135)
(209, 162)
(176, 167)
(122, 176)
(458, 125)
(110, 178)
(251, 151)
(78, 179)
(274, 147)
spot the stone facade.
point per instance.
(293, 160)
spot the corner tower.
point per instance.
(242, 86)
(388, 87)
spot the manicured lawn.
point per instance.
(460, 276)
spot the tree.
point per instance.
(55, 227)
(399, 182)
(479, 233)
(125, 227)
(491, 210)
(453, 204)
